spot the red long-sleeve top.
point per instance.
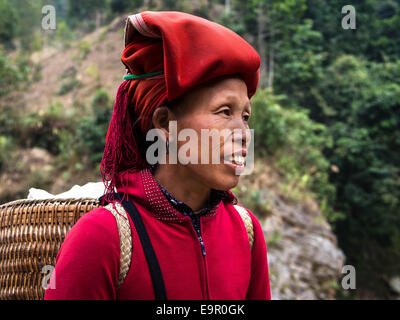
(88, 263)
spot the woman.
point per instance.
(200, 75)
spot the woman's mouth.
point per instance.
(236, 162)
(236, 159)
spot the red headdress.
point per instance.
(177, 52)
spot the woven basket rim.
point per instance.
(47, 200)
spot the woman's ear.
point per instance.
(161, 118)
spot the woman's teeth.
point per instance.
(239, 160)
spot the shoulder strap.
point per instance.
(126, 256)
(125, 238)
(248, 223)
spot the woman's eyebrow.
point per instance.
(231, 97)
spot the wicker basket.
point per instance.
(31, 234)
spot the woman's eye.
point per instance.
(246, 117)
(226, 111)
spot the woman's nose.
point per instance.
(241, 134)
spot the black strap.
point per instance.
(154, 267)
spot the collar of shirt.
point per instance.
(215, 198)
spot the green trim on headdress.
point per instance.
(140, 76)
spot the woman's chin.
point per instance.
(219, 177)
(226, 180)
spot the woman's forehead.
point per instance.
(232, 88)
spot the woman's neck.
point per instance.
(182, 186)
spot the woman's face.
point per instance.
(223, 107)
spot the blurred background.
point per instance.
(326, 185)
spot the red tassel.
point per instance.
(121, 154)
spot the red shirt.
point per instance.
(88, 263)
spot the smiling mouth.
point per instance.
(235, 159)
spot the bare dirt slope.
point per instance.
(95, 59)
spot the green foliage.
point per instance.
(8, 24)
(273, 239)
(349, 82)
(70, 137)
(6, 148)
(67, 86)
(37, 42)
(94, 73)
(29, 15)
(69, 81)
(365, 125)
(254, 199)
(231, 20)
(85, 13)
(64, 35)
(7, 121)
(34, 129)
(41, 129)
(91, 130)
(296, 142)
(119, 6)
(9, 75)
(84, 49)
(300, 64)
(15, 73)
(376, 34)
(37, 72)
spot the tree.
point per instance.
(120, 6)
(8, 23)
(9, 75)
(365, 126)
(377, 33)
(86, 14)
(29, 22)
(272, 23)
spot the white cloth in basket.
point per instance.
(89, 190)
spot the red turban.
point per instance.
(189, 51)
